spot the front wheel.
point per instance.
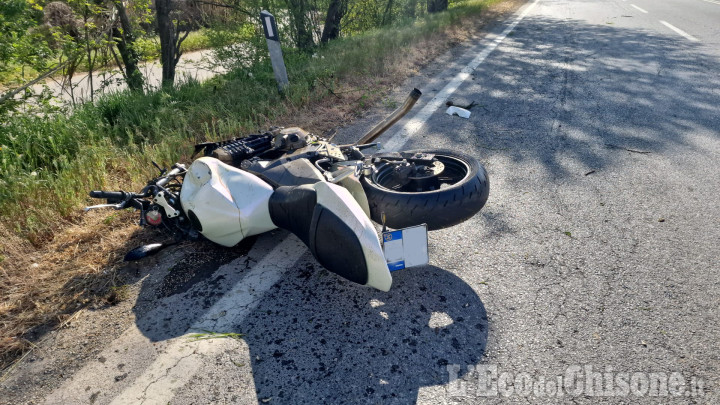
(439, 194)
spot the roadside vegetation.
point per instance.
(150, 50)
(54, 259)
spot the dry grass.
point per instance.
(45, 282)
(44, 286)
(357, 92)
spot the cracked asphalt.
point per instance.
(594, 258)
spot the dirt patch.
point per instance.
(44, 284)
(44, 287)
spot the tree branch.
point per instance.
(11, 93)
(234, 7)
(178, 52)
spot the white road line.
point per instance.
(712, 1)
(679, 31)
(639, 8)
(400, 138)
(176, 359)
(182, 358)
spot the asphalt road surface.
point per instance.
(592, 275)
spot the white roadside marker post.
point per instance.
(273, 43)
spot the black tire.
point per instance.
(460, 197)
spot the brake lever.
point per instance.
(93, 207)
(162, 171)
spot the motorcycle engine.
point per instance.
(289, 139)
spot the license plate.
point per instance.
(406, 247)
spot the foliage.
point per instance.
(363, 15)
(37, 35)
(21, 39)
(237, 47)
(50, 160)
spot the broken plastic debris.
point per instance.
(460, 112)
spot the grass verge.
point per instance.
(54, 261)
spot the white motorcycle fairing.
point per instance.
(338, 201)
(339, 234)
(225, 204)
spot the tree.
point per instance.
(63, 36)
(388, 14)
(125, 42)
(436, 6)
(20, 43)
(336, 11)
(169, 30)
(95, 27)
(410, 8)
(299, 10)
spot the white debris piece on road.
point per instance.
(460, 112)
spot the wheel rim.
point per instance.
(456, 170)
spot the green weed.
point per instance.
(206, 335)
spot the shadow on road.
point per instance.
(316, 338)
(319, 339)
(571, 90)
(564, 94)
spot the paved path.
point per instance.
(195, 65)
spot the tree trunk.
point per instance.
(336, 11)
(410, 7)
(436, 6)
(90, 59)
(126, 46)
(166, 31)
(387, 15)
(298, 12)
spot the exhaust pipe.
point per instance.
(392, 119)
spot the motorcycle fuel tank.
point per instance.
(224, 203)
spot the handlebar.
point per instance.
(125, 196)
(178, 168)
(111, 195)
(124, 199)
(116, 199)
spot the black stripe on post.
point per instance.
(269, 26)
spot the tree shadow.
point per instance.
(565, 92)
(317, 338)
(93, 289)
(320, 339)
(582, 93)
(186, 264)
(97, 280)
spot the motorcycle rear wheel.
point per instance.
(464, 189)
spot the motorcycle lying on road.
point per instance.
(326, 194)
